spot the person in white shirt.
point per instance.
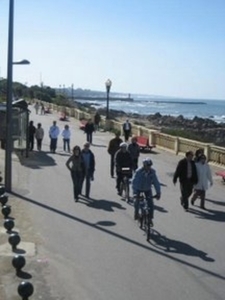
(66, 133)
(53, 134)
(39, 134)
(204, 177)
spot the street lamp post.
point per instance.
(108, 85)
(10, 63)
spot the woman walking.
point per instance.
(77, 168)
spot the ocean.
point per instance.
(189, 108)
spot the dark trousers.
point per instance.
(77, 178)
(186, 189)
(126, 135)
(53, 145)
(201, 194)
(112, 165)
(39, 144)
(31, 143)
(134, 164)
(66, 144)
(87, 179)
(89, 137)
(149, 199)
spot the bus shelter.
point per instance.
(20, 120)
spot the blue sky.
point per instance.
(157, 47)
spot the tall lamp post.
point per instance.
(108, 85)
(10, 63)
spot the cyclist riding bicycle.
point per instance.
(142, 182)
(122, 160)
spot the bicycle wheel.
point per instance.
(121, 188)
(141, 218)
(127, 189)
(147, 226)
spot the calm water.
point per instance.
(213, 109)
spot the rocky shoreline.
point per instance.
(204, 130)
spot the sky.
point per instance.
(171, 48)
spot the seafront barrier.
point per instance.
(174, 144)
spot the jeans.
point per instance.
(149, 199)
(77, 178)
(66, 144)
(31, 143)
(53, 145)
(87, 178)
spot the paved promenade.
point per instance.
(93, 249)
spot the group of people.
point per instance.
(195, 176)
(54, 132)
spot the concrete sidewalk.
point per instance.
(40, 164)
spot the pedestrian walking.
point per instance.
(89, 163)
(187, 174)
(89, 129)
(39, 135)
(113, 147)
(134, 150)
(31, 130)
(66, 134)
(204, 178)
(127, 128)
(97, 119)
(75, 164)
(36, 107)
(42, 109)
(53, 134)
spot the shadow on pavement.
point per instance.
(209, 214)
(37, 160)
(101, 204)
(23, 275)
(174, 246)
(99, 146)
(124, 238)
(215, 202)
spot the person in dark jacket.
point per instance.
(127, 129)
(134, 150)
(75, 164)
(187, 174)
(31, 130)
(113, 147)
(97, 120)
(122, 160)
(89, 129)
(89, 163)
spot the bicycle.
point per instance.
(125, 184)
(144, 220)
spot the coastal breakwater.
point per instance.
(174, 144)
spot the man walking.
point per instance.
(89, 129)
(89, 164)
(127, 130)
(113, 147)
(53, 134)
(187, 174)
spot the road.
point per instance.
(94, 249)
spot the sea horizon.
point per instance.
(188, 108)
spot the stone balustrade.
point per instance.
(168, 142)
